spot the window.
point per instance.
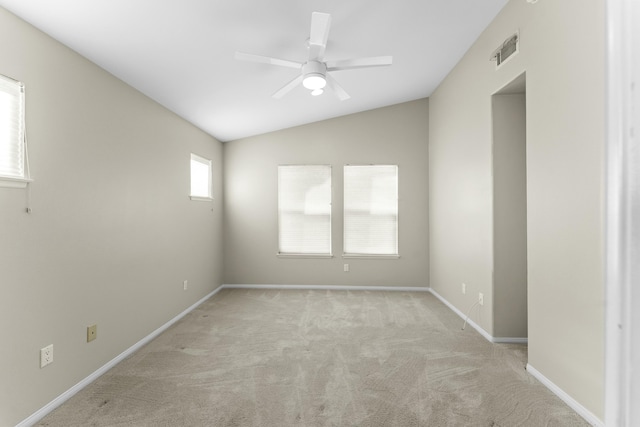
(371, 210)
(304, 210)
(14, 166)
(200, 178)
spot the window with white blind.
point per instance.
(200, 178)
(371, 210)
(14, 166)
(304, 210)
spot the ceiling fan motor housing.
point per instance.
(314, 75)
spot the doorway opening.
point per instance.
(509, 116)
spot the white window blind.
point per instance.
(13, 164)
(304, 209)
(371, 210)
(200, 178)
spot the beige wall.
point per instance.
(509, 216)
(113, 233)
(111, 170)
(562, 51)
(391, 135)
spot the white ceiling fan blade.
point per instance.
(320, 25)
(288, 87)
(342, 94)
(350, 64)
(267, 60)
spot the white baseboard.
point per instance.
(331, 287)
(573, 404)
(581, 410)
(470, 322)
(474, 325)
(510, 340)
(42, 412)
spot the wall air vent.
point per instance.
(506, 50)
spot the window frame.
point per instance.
(328, 254)
(365, 255)
(19, 144)
(202, 160)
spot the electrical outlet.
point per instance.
(92, 332)
(185, 285)
(480, 298)
(46, 355)
(346, 267)
(464, 288)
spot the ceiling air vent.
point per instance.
(506, 50)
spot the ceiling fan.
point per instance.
(314, 73)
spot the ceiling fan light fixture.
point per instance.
(314, 74)
(314, 81)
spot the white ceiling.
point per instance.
(181, 52)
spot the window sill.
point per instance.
(364, 256)
(281, 255)
(201, 199)
(8, 182)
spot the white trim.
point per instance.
(8, 182)
(45, 410)
(622, 191)
(370, 256)
(331, 288)
(292, 255)
(581, 410)
(473, 324)
(201, 199)
(510, 340)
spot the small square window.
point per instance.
(200, 178)
(14, 165)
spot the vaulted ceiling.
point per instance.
(181, 52)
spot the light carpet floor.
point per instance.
(318, 358)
